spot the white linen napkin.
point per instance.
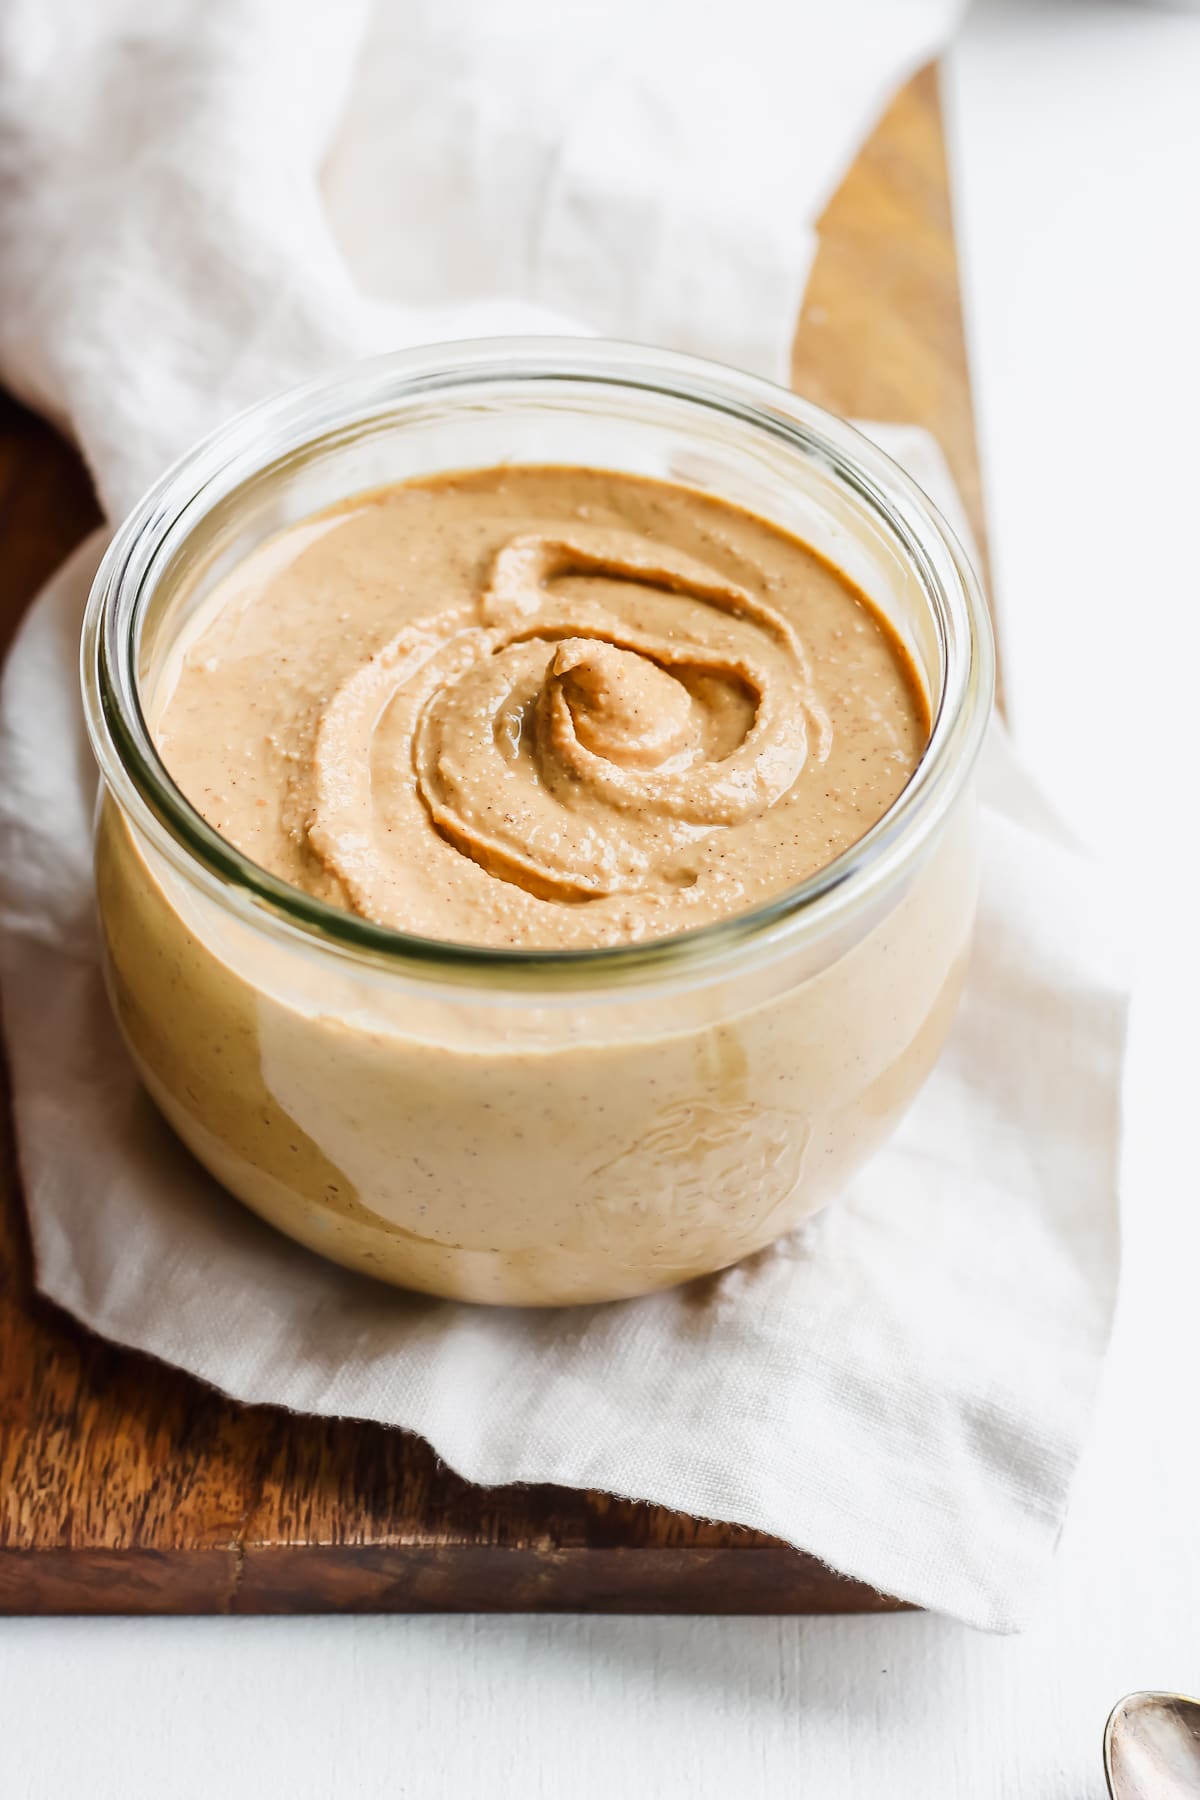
(902, 1387)
(649, 168)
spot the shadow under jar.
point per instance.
(533, 1127)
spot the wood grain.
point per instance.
(881, 331)
(127, 1487)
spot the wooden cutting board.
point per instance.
(128, 1487)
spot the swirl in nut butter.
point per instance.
(547, 708)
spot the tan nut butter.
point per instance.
(547, 708)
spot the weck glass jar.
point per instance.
(532, 1127)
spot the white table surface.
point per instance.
(1077, 130)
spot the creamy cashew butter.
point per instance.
(550, 709)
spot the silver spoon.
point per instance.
(1152, 1748)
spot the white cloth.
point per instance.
(650, 168)
(903, 1387)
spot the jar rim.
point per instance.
(366, 390)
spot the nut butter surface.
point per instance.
(540, 708)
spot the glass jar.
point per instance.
(539, 1127)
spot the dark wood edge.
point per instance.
(758, 1581)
